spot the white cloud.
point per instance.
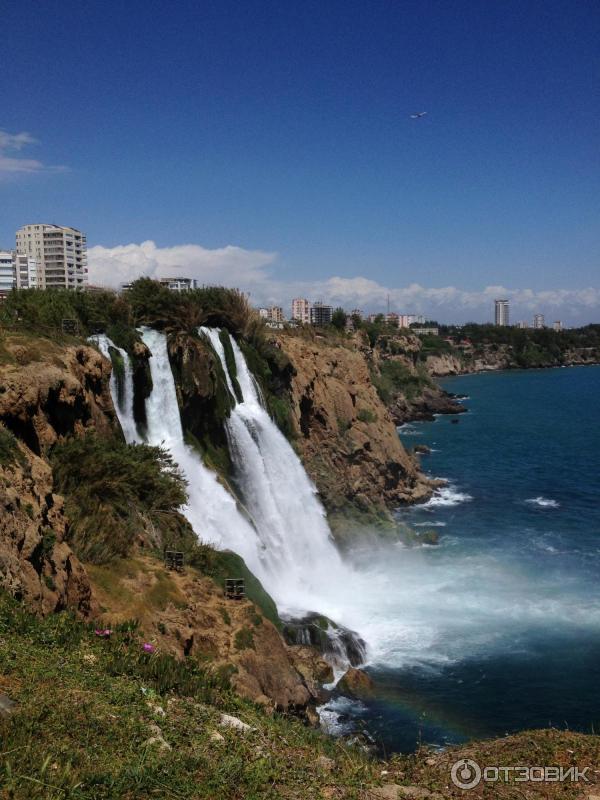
(11, 165)
(230, 265)
(252, 271)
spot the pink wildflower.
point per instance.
(148, 648)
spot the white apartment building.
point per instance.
(301, 310)
(406, 320)
(25, 270)
(179, 284)
(61, 254)
(501, 312)
(7, 275)
(538, 321)
(557, 325)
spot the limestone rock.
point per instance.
(356, 683)
(227, 721)
(345, 435)
(7, 706)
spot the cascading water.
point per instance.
(122, 392)
(211, 510)
(300, 556)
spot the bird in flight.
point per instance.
(418, 115)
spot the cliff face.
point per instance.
(185, 614)
(46, 392)
(344, 433)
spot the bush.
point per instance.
(395, 377)
(113, 491)
(9, 449)
(366, 415)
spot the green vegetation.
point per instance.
(115, 491)
(244, 639)
(339, 318)
(528, 347)
(394, 377)
(366, 415)
(9, 449)
(92, 715)
(225, 564)
(101, 719)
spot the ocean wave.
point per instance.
(447, 496)
(543, 502)
(409, 431)
(429, 524)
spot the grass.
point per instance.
(86, 707)
(226, 564)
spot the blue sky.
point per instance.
(275, 139)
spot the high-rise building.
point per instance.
(538, 321)
(275, 314)
(501, 312)
(61, 254)
(557, 326)
(301, 310)
(320, 314)
(7, 273)
(523, 324)
(25, 271)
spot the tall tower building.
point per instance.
(60, 252)
(538, 321)
(501, 312)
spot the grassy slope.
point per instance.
(82, 725)
(86, 708)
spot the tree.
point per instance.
(338, 318)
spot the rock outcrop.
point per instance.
(36, 563)
(46, 392)
(344, 433)
(186, 614)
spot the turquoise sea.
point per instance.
(497, 628)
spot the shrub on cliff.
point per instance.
(114, 492)
(395, 377)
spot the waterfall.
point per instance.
(211, 510)
(289, 545)
(122, 395)
(300, 557)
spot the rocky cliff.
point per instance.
(49, 392)
(46, 391)
(344, 433)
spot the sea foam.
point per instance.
(543, 502)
